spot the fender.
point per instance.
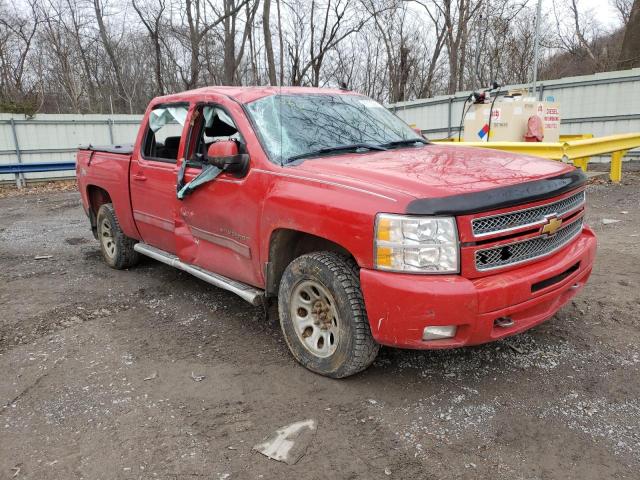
(107, 171)
(300, 203)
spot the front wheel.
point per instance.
(323, 317)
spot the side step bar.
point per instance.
(253, 295)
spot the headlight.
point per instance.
(416, 244)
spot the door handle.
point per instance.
(139, 177)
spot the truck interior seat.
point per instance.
(218, 128)
(171, 146)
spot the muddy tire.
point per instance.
(117, 248)
(323, 317)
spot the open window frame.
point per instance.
(195, 134)
(148, 135)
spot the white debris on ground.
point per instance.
(289, 443)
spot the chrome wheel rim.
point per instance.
(106, 238)
(315, 318)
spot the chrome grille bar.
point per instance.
(507, 222)
(526, 250)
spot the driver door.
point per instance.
(217, 223)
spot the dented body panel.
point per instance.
(228, 226)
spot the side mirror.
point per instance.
(418, 131)
(226, 156)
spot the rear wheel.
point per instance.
(322, 315)
(117, 248)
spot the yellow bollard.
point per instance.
(583, 163)
(615, 175)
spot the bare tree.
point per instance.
(280, 42)
(456, 15)
(317, 31)
(390, 25)
(437, 20)
(95, 56)
(630, 51)
(232, 58)
(579, 33)
(151, 17)
(268, 45)
(623, 8)
(109, 47)
(17, 40)
(198, 28)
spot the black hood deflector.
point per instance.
(501, 197)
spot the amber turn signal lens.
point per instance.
(384, 229)
(383, 256)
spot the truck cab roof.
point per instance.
(247, 94)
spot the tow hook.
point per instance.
(503, 322)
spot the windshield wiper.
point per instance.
(340, 148)
(409, 141)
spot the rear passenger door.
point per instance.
(153, 175)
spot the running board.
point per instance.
(251, 294)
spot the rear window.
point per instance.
(164, 131)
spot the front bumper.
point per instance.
(400, 306)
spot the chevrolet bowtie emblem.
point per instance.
(552, 226)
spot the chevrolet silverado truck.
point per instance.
(366, 233)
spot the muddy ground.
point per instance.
(97, 370)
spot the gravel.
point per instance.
(100, 372)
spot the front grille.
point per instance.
(525, 250)
(521, 218)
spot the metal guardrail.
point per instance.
(39, 151)
(576, 148)
(17, 168)
(579, 151)
(18, 151)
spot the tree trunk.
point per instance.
(109, 48)
(281, 40)
(158, 64)
(229, 44)
(194, 43)
(268, 45)
(453, 71)
(630, 52)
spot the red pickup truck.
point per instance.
(366, 233)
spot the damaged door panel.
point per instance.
(217, 211)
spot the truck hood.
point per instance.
(431, 171)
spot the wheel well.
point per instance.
(97, 197)
(285, 245)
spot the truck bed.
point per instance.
(103, 175)
(126, 149)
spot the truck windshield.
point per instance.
(299, 126)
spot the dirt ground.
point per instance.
(97, 373)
